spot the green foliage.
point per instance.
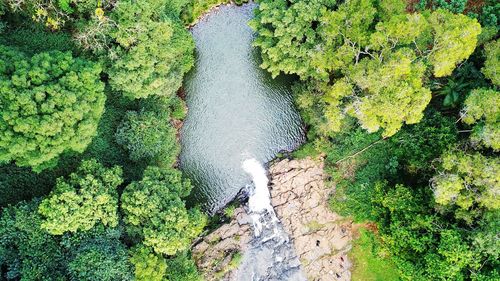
(229, 210)
(34, 39)
(369, 62)
(20, 183)
(467, 181)
(89, 196)
(490, 14)
(27, 252)
(485, 240)
(373, 60)
(418, 145)
(491, 67)
(370, 262)
(196, 8)
(104, 147)
(100, 260)
(426, 239)
(424, 252)
(148, 135)
(354, 191)
(407, 154)
(182, 268)
(454, 6)
(287, 35)
(394, 93)
(148, 266)
(487, 12)
(50, 103)
(154, 210)
(55, 14)
(455, 38)
(152, 52)
(478, 109)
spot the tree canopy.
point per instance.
(87, 102)
(377, 63)
(152, 53)
(50, 103)
(148, 136)
(154, 211)
(87, 197)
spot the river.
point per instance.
(239, 119)
(236, 110)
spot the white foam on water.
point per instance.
(259, 201)
(271, 256)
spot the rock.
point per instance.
(214, 253)
(299, 196)
(320, 237)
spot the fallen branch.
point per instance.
(361, 151)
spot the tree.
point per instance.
(50, 103)
(152, 51)
(154, 267)
(148, 135)
(55, 14)
(491, 67)
(371, 59)
(100, 259)
(471, 182)
(425, 246)
(148, 266)
(478, 109)
(26, 251)
(87, 197)
(455, 38)
(385, 95)
(182, 268)
(154, 210)
(287, 35)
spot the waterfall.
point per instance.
(259, 201)
(271, 255)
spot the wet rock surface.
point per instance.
(320, 238)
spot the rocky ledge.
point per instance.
(321, 238)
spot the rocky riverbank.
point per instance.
(300, 198)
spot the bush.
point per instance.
(148, 136)
(182, 268)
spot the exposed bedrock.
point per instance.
(299, 196)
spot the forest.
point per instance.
(400, 98)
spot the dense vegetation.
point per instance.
(402, 100)
(89, 188)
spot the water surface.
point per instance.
(236, 110)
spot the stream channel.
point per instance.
(239, 119)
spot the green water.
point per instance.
(236, 110)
